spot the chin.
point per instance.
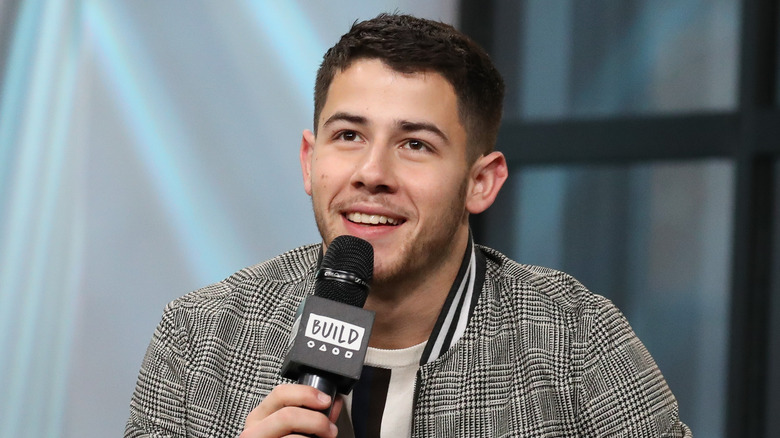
(390, 272)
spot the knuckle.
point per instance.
(287, 414)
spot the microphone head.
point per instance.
(346, 270)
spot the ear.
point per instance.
(488, 174)
(307, 154)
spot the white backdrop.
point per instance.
(147, 148)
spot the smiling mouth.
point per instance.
(372, 219)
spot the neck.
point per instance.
(407, 309)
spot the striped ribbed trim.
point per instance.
(459, 305)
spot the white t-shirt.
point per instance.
(382, 400)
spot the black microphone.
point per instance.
(332, 330)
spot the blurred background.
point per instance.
(150, 148)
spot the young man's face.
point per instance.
(389, 165)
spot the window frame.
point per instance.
(748, 136)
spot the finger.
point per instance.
(289, 395)
(336, 410)
(291, 420)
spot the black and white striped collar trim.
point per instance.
(459, 305)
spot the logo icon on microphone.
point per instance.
(338, 334)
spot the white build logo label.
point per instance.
(332, 331)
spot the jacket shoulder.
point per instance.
(272, 277)
(530, 283)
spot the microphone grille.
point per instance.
(348, 254)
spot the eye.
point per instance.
(348, 136)
(416, 145)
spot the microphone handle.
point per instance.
(324, 385)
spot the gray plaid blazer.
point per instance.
(541, 357)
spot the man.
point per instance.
(466, 342)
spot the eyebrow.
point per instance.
(404, 125)
(345, 117)
(408, 126)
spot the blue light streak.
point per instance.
(33, 320)
(153, 122)
(299, 51)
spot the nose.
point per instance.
(375, 171)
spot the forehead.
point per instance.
(374, 90)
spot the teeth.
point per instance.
(373, 219)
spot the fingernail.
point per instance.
(334, 430)
(325, 398)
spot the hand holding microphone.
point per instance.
(329, 344)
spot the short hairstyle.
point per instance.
(409, 45)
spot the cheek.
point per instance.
(441, 195)
(323, 182)
(319, 174)
(331, 173)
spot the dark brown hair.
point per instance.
(408, 45)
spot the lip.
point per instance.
(373, 210)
